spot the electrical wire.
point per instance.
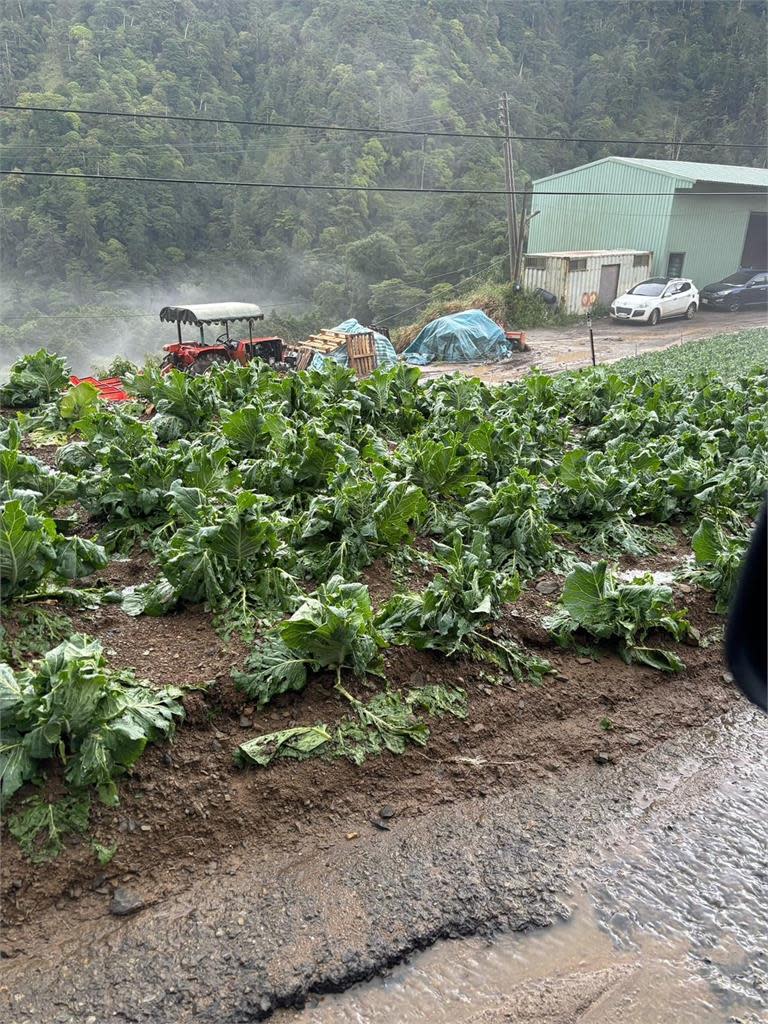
(424, 302)
(278, 308)
(31, 317)
(79, 175)
(196, 119)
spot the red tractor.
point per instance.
(198, 357)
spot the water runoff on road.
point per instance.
(670, 926)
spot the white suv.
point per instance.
(656, 299)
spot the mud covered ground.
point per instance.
(553, 349)
(255, 850)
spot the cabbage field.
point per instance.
(267, 500)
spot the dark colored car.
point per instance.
(737, 291)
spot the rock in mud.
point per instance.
(125, 901)
(603, 757)
(547, 586)
(387, 811)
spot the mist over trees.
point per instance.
(690, 70)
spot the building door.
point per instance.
(755, 252)
(675, 264)
(609, 283)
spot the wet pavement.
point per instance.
(659, 861)
(669, 925)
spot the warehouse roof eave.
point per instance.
(686, 172)
(596, 163)
(581, 253)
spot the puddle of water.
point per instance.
(672, 928)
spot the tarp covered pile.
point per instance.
(385, 350)
(468, 337)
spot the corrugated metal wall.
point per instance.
(711, 231)
(551, 277)
(604, 222)
(577, 290)
(708, 229)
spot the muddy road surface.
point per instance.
(667, 924)
(567, 348)
(264, 932)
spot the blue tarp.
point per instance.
(468, 337)
(385, 350)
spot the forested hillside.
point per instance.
(688, 70)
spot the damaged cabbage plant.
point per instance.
(345, 530)
(224, 556)
(519, 536)
(22, 476)
(717, 562)
(450, 614)
(594, 602)
(32, 551)
(334, 629)
(29, 630)
(71, 714)
(34, 379)
(388, 721)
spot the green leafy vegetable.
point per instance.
(40, 828)
(458, 600)
(386, 722)
(718, 561)
(34, 379)
(333, 629)
(595, 602)
(72, 707)
(31, 548)
(299, 743)
(31, 631)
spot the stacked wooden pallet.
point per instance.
(326, 341)
(361, 350)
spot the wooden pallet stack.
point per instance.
(361, 350)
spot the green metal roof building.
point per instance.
(691, 233)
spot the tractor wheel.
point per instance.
(200, 366)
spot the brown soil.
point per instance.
(45, 453)
(186, 807)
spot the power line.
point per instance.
(30, 317)
(424, 302)
(273, 309)
(349, 188)
(196, 119)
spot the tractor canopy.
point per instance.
(211, 313)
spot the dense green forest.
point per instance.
(688, 70)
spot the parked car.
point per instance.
(657, 299)
(737, 291)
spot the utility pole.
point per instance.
(509, 178)
(591, 337)
(522, 231)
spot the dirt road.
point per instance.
(567, 348)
